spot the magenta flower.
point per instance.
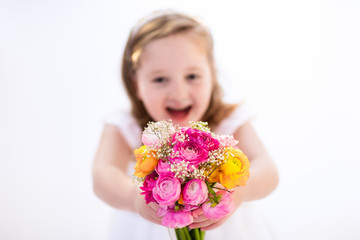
(148, 185)
(190, 151)
(163, 168)
(166, 190)
(175, 219)
(195, 192)
(203, 139)
(217, 211)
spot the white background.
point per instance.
(296, 62)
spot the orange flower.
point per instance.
(234, 172)
(145, 161)
(214, 177)
(181, 200)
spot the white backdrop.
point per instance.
(296, 62)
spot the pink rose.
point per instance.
(163, 168)
(178, 135)
(220, 210)
(189, 151)
(175, 219)
(167, 190)
(195, 192)
(149, 139)
(227, 141)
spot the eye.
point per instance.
(192, 76)
(159, 80)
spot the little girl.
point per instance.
(169, 73)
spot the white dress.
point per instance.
(246, 223)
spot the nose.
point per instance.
(179, 91)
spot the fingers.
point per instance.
(149, 212)
(200, 218)
(152, 218)
(154, 206)
(201, 221)
(202, 224)
(213, 226)
(206, 224)
(155, 219)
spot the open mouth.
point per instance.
(178, 114)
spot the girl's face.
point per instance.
(174, 79)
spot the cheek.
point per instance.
(204, 94)
(147, 94)
(140, 90)
(208, 85)
(153, 104)
(150, 100)
(141, 85)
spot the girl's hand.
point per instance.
(208, 224)
(147, 211)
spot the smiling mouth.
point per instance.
(178, 114)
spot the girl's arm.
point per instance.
(110, 180)
(263, 174)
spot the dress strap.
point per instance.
(238, 117)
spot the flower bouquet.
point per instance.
(189, 171)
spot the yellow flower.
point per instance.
(235, 171)
(145, 161)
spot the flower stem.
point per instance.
(177, 232)
(212, 172)
(186, 232)
(210, 189)
(202, 234)
(214, 199)
(197, 234)
(223, 189)
(182, 233)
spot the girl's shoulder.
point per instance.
(241, 114)
(127, 125)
